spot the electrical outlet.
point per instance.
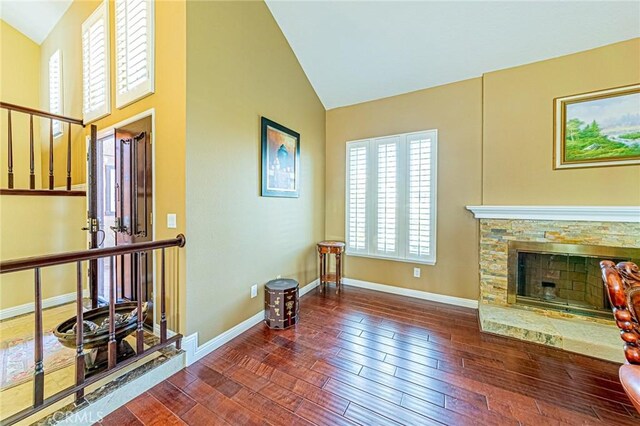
(254, 290)
(416, 272)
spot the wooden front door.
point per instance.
(133, 170)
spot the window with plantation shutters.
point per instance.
(420, 200)
(391, 197)
(357, 159)
(55, 90)
(386, 196)
(134, 50)
(96, 101)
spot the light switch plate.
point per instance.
(254, 290)
(171, 220)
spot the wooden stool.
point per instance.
(281, 303)
(326, 248)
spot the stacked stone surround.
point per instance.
(495, 235)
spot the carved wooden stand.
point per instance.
(325, 248)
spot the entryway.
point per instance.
(120, 198)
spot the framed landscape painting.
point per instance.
(598, 128)
(280, 160)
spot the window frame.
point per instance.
(402, 198)
(146, 88)
(101, 12)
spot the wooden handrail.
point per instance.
(27, 263)
(41, 113)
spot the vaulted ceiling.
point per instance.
(355, 51)
(33, 18)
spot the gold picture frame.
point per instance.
(597, 129)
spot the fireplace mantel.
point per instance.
(569, 213)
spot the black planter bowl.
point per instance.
(99, 339)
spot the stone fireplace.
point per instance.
(540, 278)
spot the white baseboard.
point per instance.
(76, 187)
(418, 294)
(195, 352)
(46, 303)
(156, 331)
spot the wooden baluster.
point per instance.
(69, 158)
(51, 153)
(38, 354)
(10, 151)
(32, 163)
(80, 360)
(140, 331)
(163, 316)
(112, 348)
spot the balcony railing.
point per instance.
(36, 264)
(11, 108)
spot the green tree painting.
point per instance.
(606, 128)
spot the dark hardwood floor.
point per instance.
(372, 358)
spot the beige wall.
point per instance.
(240, 67)
(169, 102)
(518, 131)
(455, 110)
(26, 230)
(19, 84)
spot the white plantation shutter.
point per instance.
(391, 197)
(387, 195)
(420, 196)
(357, 160)
(134, 50)
(55, 90)
(95, 65)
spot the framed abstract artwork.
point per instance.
(280, 160)
(597, 129)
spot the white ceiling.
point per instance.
(362, 50)
(33, 18)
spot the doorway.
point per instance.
(120, 182)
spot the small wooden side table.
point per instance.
(326, 248)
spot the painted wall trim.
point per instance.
(417, 294)
(577, 213)
(195, 352)
(46, 303)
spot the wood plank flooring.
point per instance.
(371, 358)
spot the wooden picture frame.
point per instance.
(280, 160)
(597, 129)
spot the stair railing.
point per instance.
(36, 264)
(52, 117)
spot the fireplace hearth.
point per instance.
(563, 277)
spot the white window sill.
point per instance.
(394, 259)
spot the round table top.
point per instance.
(331, 244)
(282, 284)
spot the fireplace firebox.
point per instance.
(563, 277)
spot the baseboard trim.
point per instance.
(418, 294)
(195, 352)
(51, 302)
